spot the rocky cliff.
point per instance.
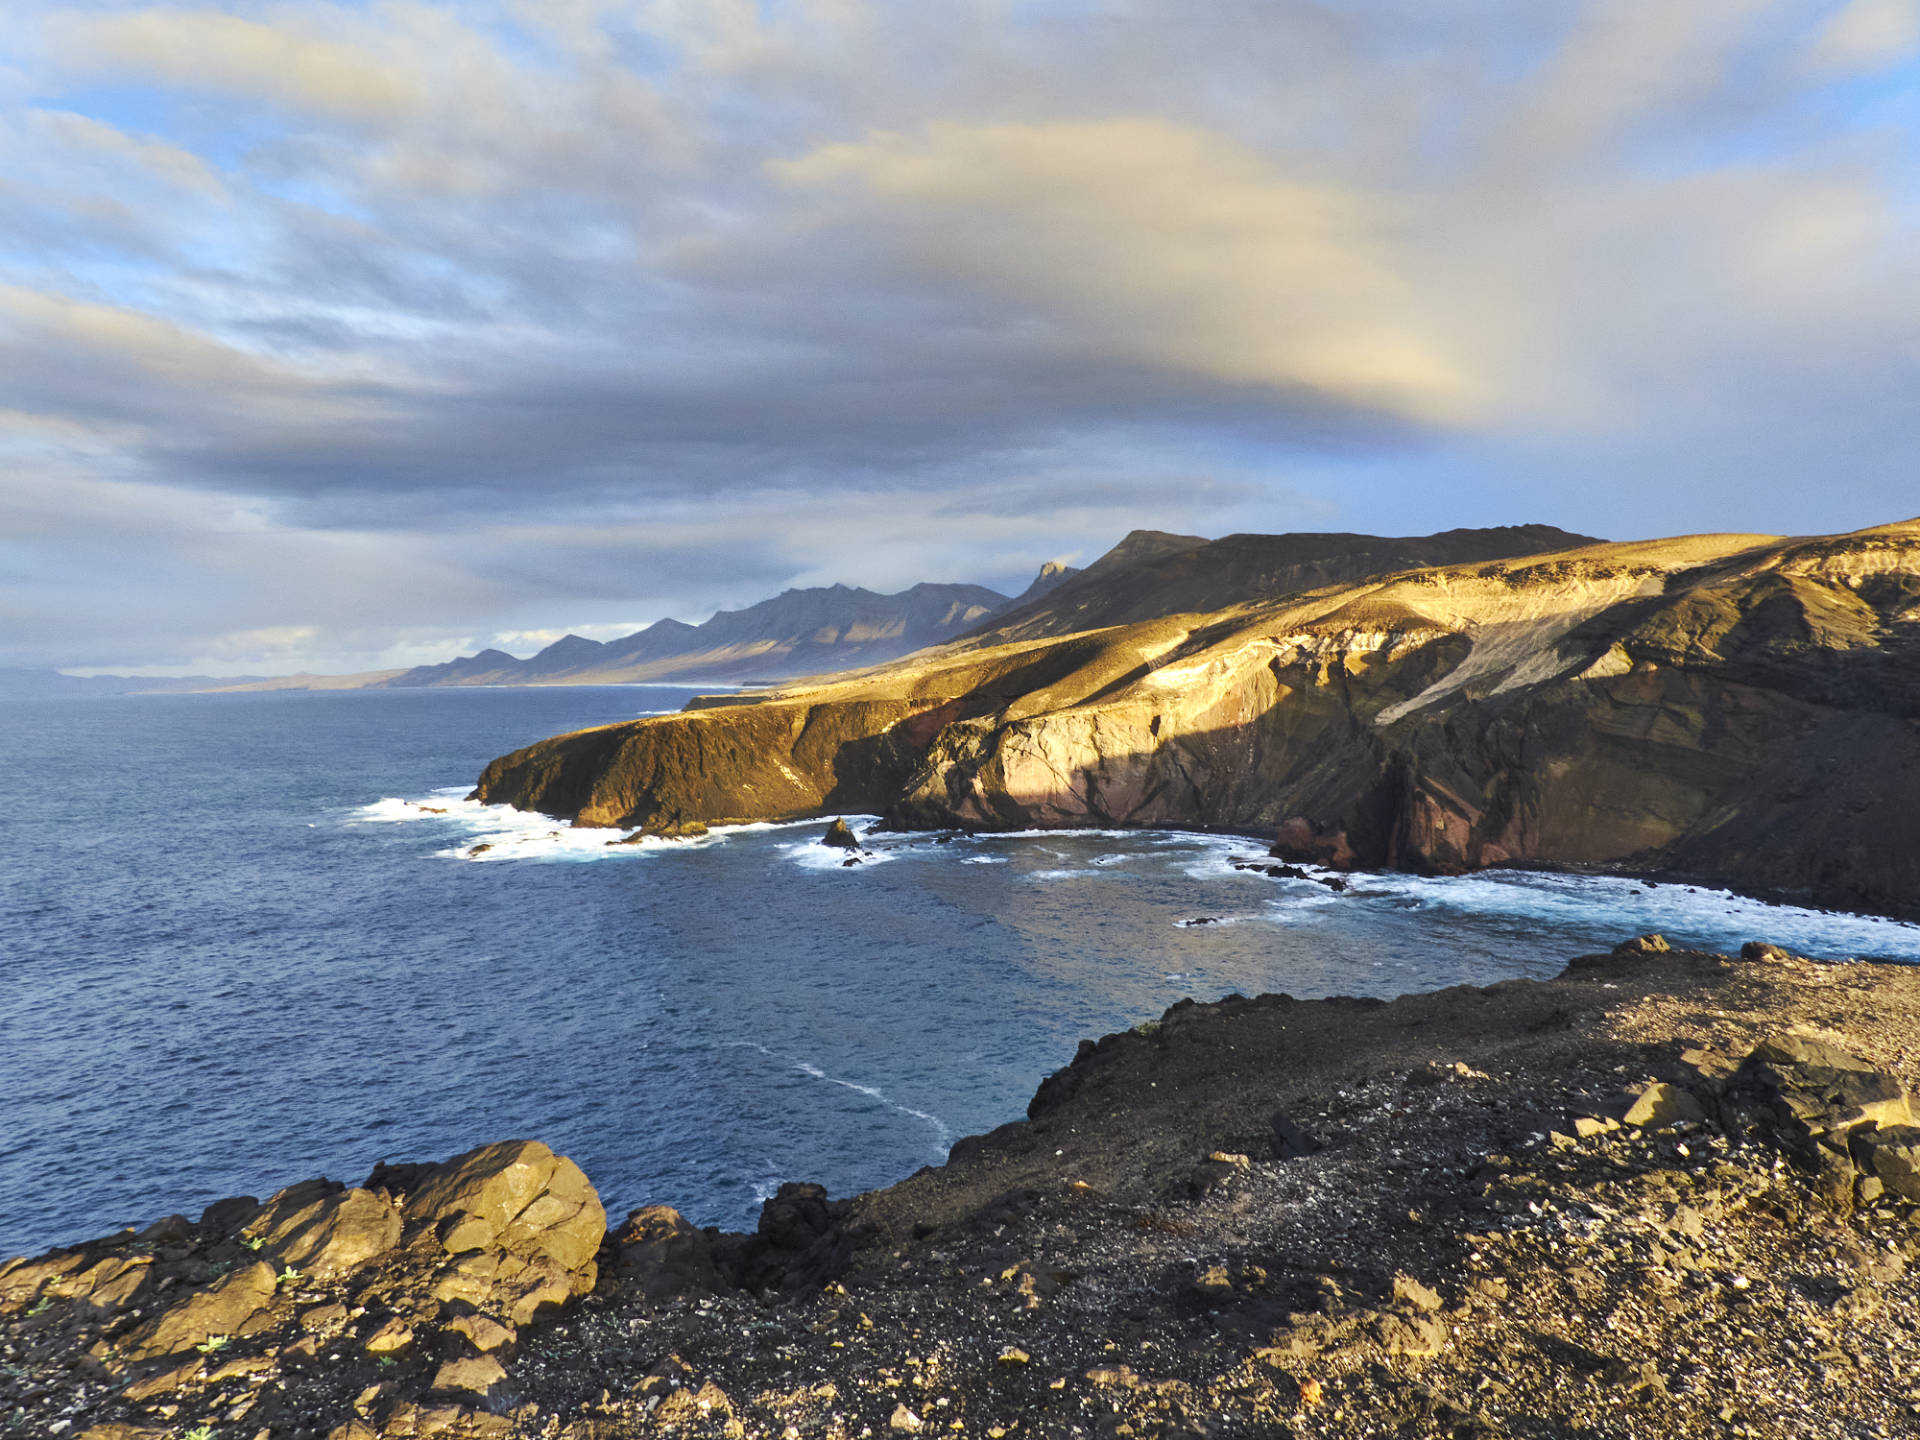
(1741, 709)
(1644, 1198)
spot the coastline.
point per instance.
(1433, 1214)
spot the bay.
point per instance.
(246, 939)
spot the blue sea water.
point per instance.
(244, 940)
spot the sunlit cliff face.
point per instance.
(357, 334)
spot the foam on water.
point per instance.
(1686, 914)
(1619, 905)
(489, 833)
(1691, 914)
(812, 855)
(942, 1132)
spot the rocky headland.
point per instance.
(1664, 1194)
(1736, 709)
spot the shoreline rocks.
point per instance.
(1666, 1193)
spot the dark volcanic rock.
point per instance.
(803, 1241)
(840, 835)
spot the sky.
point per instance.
(339, 336)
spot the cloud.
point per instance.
(1869, 35)
(379, 322)
(1169, 245)
(169, 164)
(208, 50)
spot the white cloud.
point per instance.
(1869, 35)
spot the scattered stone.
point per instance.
(1290, 1141)
(393, 1338)
(1662, 1106)
(474, 1374)
(486, 1335)
(904, 1419)
(1409, 1291)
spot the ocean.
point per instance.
(246, 940)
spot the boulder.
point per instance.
(1411, 1293)
(516, 1196)
(523, 1288)
(802, 1242)
(325, 1229)
(659, 1254)
(1644, 945)
(1809, 1090)
(1302, 839)
(1661, 1106)
(113, 1283)
(22, 1281)
(485, 1335)
(840, 836)
(224, 1308)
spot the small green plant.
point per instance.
(199, 1432)
(214, 1344)
(386, 1362)
(220, 1267)
(41, 1306)
(255, 1242)
(289, 1276)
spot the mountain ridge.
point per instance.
(1742, 709)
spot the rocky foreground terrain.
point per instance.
(1665, 1194)
(1736, 709)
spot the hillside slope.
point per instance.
(1738, 708)
(1150, 574)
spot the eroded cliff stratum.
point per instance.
(1736, 708)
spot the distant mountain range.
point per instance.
(798, 633)
(826, 629)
